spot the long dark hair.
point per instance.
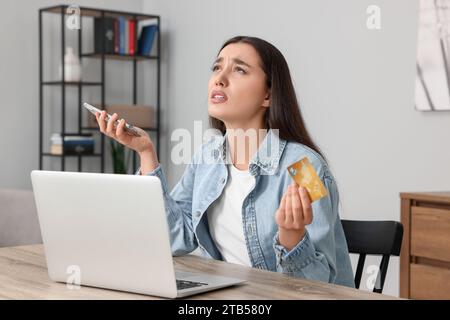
(284, 112)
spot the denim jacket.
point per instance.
(321, 255)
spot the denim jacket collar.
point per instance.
(266, 159)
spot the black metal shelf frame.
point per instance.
(93, 12)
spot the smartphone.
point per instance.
(129, 128)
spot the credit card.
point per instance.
(304, 175)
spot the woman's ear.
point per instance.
(266, 102)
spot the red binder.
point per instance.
(131, 37)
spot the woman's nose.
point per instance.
(221, 80)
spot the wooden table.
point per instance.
(23, 275)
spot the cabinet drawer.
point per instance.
(429, 282)
(430, 233)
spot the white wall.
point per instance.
(19, 86)
(355, 86)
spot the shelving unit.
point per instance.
(134, 59)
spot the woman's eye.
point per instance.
(240, 70)
(214, 68)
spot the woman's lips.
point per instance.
(218, 97)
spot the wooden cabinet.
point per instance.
(425, 255)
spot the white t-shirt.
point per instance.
(225, 217)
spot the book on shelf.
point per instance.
(116, 38)
(119, 36)
(72, 144)
(145, 44)
(105, 34)
(131, 37)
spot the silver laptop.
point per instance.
(112, 231)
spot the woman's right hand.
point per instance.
(143, 145)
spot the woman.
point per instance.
(236, 201)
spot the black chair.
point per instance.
(373, 238)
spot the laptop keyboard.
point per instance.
(185, 284)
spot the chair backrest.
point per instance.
(373, 238)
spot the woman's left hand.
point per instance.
(293, 214)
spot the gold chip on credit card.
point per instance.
(304, 174)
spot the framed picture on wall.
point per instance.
(432, 86)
